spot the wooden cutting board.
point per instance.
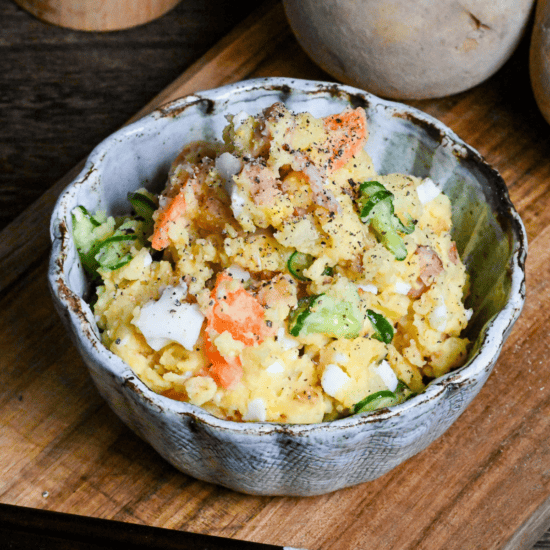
(484, 485)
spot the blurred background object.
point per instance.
(539, 58)
(405, 49)
(97, 15)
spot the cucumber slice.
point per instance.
(143, 205)
(383, 399)
(407, 229)
(385, 231)
(97, 242)
(378, 400)
(298, 263)
(88, 234)
(114, 252)
(326, 315)
(383, 329)
(300, 314)
(368, 208)
(376, 208)
(85, 212)
(83, 227)
(369, 188)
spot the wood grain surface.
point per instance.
(484, 485)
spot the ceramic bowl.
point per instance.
(282, 459)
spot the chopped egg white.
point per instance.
(147, 259)
(340, 357)
(401, 287)
(238, 272)
(427, 191)
(438, 317)
(286, 341)
(275, 368)
(368, 288)
(334, 379)
(256, 411)
(386, 373)
(228, 165)
(239, 118)
(169, 319)
(237, 201)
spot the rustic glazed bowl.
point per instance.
(277, 459)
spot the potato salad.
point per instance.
(278, 277)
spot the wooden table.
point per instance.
(484, 485)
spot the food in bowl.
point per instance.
(278, 277)
(298, 459)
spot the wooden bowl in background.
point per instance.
(97, 15)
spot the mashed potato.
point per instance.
(281, 279)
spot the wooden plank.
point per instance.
(485, 484)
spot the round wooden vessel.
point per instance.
(97, 15)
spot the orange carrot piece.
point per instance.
(240, 314)
(348, 136)
(175, 209)
(226, 375)
(224, 372)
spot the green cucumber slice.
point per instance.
(298, 263)
(114, 252)
(143, 205)
(378, 400)
(369, 188)
(383, 399)
(383, 329)
(326, 315)
(371, 203)
(376, 208)
(88, 234)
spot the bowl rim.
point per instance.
(495, 330)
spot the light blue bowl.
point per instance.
(277, 459)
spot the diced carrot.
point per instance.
(240, 314)
(237, 312)
(175, 209)
(224, 372)
(348, 136)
